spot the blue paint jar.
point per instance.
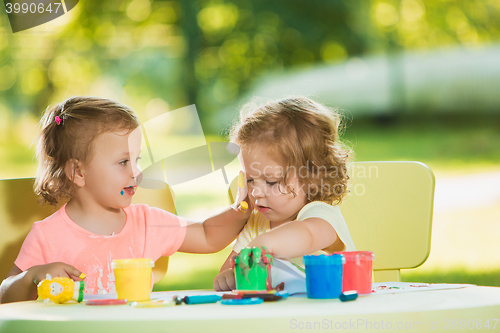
(324, 275)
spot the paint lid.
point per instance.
(333, 259)
(347, 296)
(132, 263)
(357, 255)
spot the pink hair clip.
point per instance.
(58, 120)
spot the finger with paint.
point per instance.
(239, 203)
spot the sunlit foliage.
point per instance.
(209, 52)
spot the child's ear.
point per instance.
(74, 172)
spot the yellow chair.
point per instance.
(19, 208)
(388, 211)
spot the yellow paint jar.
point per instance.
(133, 278)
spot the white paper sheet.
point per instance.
(284, 271)
(404, 287)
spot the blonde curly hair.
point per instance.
(302, 135)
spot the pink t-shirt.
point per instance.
(148, 233)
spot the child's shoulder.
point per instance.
(52, 224)
(137, 208)
(144, 209)
(318, 206)
(152, 214)
(53, 219)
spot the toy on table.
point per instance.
(252, 269)
(199, 299)
(270, 296)
(107, 301)
(242, 301)
(152, 304)
(60, 289)
(347, 296)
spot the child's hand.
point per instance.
(225, 281)
(39, 273)
(242, 202)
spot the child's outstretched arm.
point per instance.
(220, 230)
(215, 233)
(21, 286)
(297, 238)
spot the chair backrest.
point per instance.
(19, 208)
(388, 211)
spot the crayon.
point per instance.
(201, 299)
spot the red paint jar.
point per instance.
(357, 271)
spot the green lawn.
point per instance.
(448, 144)
(484, 278)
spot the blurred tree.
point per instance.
(161, 55)
(192, 38)
(129, 51)
(417, 24)
(243, 40)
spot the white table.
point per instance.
(439, 310)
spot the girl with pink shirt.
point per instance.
(88, 151)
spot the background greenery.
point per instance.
(158, 56)
(211, 52)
